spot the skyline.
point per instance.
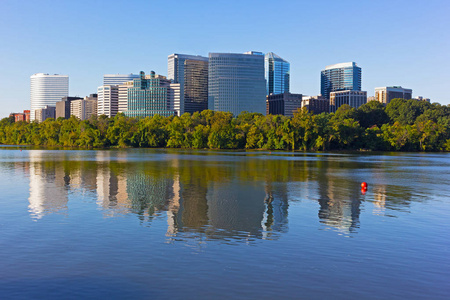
(87, 40)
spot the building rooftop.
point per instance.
(341, 65)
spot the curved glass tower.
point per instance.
(340, 77)
(277, 74)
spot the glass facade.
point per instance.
(191, 72)
(340, 77)
(236, 82)
(148, 97)
(195, 85)
(277, 74)
(116, 79)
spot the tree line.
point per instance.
(403, 125)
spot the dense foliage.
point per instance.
(403, 125)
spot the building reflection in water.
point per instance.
(48, 186)
(276, 209)
(246, 199)
(339, 200)
(111, 187)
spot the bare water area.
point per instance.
(193, 224)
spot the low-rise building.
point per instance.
(63, 107)
(283, 104)
(45, 113)
(387, 93)
(84, 108)
(353, 98)
(21, 117)
(316, 104)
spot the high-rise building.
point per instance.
(236, 82)
(340, 77)
(107, 101)
(63, 107)
(387, 93)
(84, 108)
(353, 98)
(277, 74)
(123, 96)
(116, 79)
(47, 90)
(191, 72)
(283, 104)
(149, 96)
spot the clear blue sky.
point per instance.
(403, 43)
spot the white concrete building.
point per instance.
(108, 98)
(47, 89)
(353, 98)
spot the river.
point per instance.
(191, 224)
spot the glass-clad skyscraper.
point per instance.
(277, 74)
(340, 77)
(191, 72)
(236, 82)
(148, 96)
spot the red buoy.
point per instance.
(363, 191)
(364, 185)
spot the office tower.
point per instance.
(149, 96)
(107, 101)
(174, 97)
(236, 82)
(123, 96)
(191, 72)
(387, 93)
(283, 104)
(45, 113)
(84, 108)
(277, 74)
(47, 90)
(340, 77)
(353, 98)
(117, 79)
(63, 107)
(316, 104)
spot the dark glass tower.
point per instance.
(191, 72)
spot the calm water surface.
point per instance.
(167, 224)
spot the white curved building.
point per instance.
(47, 90)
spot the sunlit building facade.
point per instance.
(277, 74)
(340, 77)
(236, 82)
(107, 101)
(47, 89)
(116, 79)
(387, 93)
(149, 96)
(353, 98)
